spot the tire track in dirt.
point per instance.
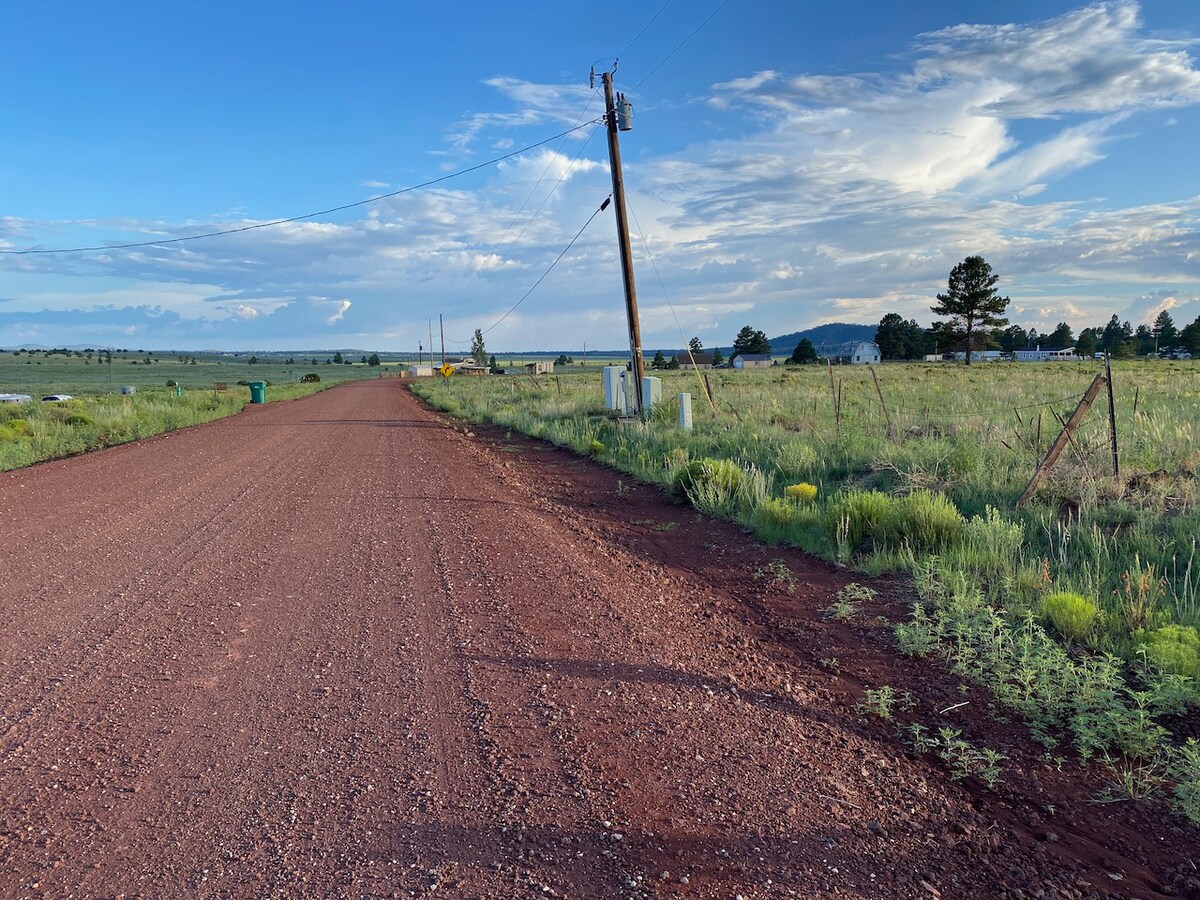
(361, 653)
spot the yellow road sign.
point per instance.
(447, 369)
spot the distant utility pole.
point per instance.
(618, 183)
(442, 329)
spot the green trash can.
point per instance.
(179, 390)
(258, 392)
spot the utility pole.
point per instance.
(442, 329)
(618, 183)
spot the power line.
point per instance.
(603, 206)
(301, 218)
(637, 36)
(678, 46)
(507, 250)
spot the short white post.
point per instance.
(685, 411)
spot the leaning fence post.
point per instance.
(1063, 438)
(878, 390)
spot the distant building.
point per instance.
(752, 361)
(856, 353)
(539, 368)
(1040, 355)
(980, 355)
(420, 371)
(704, 360)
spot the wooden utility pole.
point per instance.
(442, 329)
(618, 183)
(1063, 439)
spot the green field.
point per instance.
(1079, 609)
(100, 416)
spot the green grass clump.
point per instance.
(1072, 615)
(776, 512)
(858, 516)
(79, 418)
(20, 427)
(700, 474)
(922, 520)
(1174, 649)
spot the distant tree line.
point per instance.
(972, 312)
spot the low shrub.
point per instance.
(1174, 649)
(310, 378)
(79, 418)
(1072, 615)
(801, 493)
(21, 428)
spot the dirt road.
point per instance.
(339, 647)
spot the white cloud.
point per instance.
(342, 307)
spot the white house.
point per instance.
(856, 353)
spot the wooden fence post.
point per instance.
(1063, 439)
(1112, 416)
(891, 432)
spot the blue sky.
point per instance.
(791, 164)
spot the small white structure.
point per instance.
(1040, 355)
(980, 355)
(420, 371)
(651, 391)
(539, 368)
(753, 361)
(856, 353)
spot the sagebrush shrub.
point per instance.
(1072, 615)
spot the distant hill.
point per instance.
(823, 337)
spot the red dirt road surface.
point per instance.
(342, 647)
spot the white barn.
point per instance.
(857, 353)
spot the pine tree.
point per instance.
(972, 303)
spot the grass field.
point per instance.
(100, 416)
(1080, 609)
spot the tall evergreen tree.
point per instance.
(750, 341)
(972, 303)
(1164, 330)
(478, 353)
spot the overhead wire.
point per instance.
(603, 206)
(678, 46)
(536, 212)
(300, 218)
(670, 306)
